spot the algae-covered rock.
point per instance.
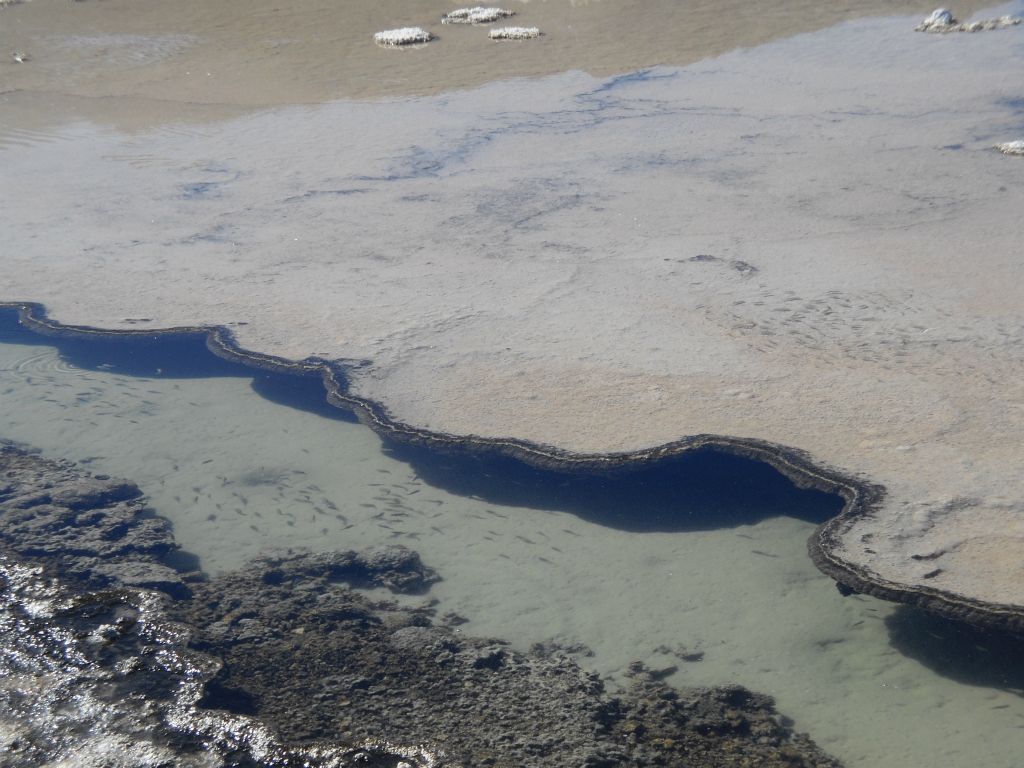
(282, 663)
(319, 661)
(91, 528)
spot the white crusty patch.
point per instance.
(1011, 147)
(477, 15)
(514, 33)
(403, 36)
(941, 21)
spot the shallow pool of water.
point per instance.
(702, 559)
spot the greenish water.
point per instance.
(697, 567)
(700, 566)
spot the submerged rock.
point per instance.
(283, 664)
(90, 528)
(396, 567)
(319, 661)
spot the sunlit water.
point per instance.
(238, 473)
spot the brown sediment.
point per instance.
(862, 497)
(195, 61)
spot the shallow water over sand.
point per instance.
(238, 473)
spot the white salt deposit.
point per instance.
(477, 15)
(402, 36)
(514, 33)
(1011, 147)
(941, 21)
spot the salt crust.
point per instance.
(476, 15)
(1011, 147)
(941, 21)
(403, 36)
(514, 33)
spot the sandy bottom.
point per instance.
(238, 474)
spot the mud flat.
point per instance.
(806, 248)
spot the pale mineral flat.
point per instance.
(811, 242)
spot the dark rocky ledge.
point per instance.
(860, 495)
(314, 659)
(283, 664)
(89, 529)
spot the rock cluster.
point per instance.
(89, 528)
(314, 660)
(406, 36)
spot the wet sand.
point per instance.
(136, 63)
